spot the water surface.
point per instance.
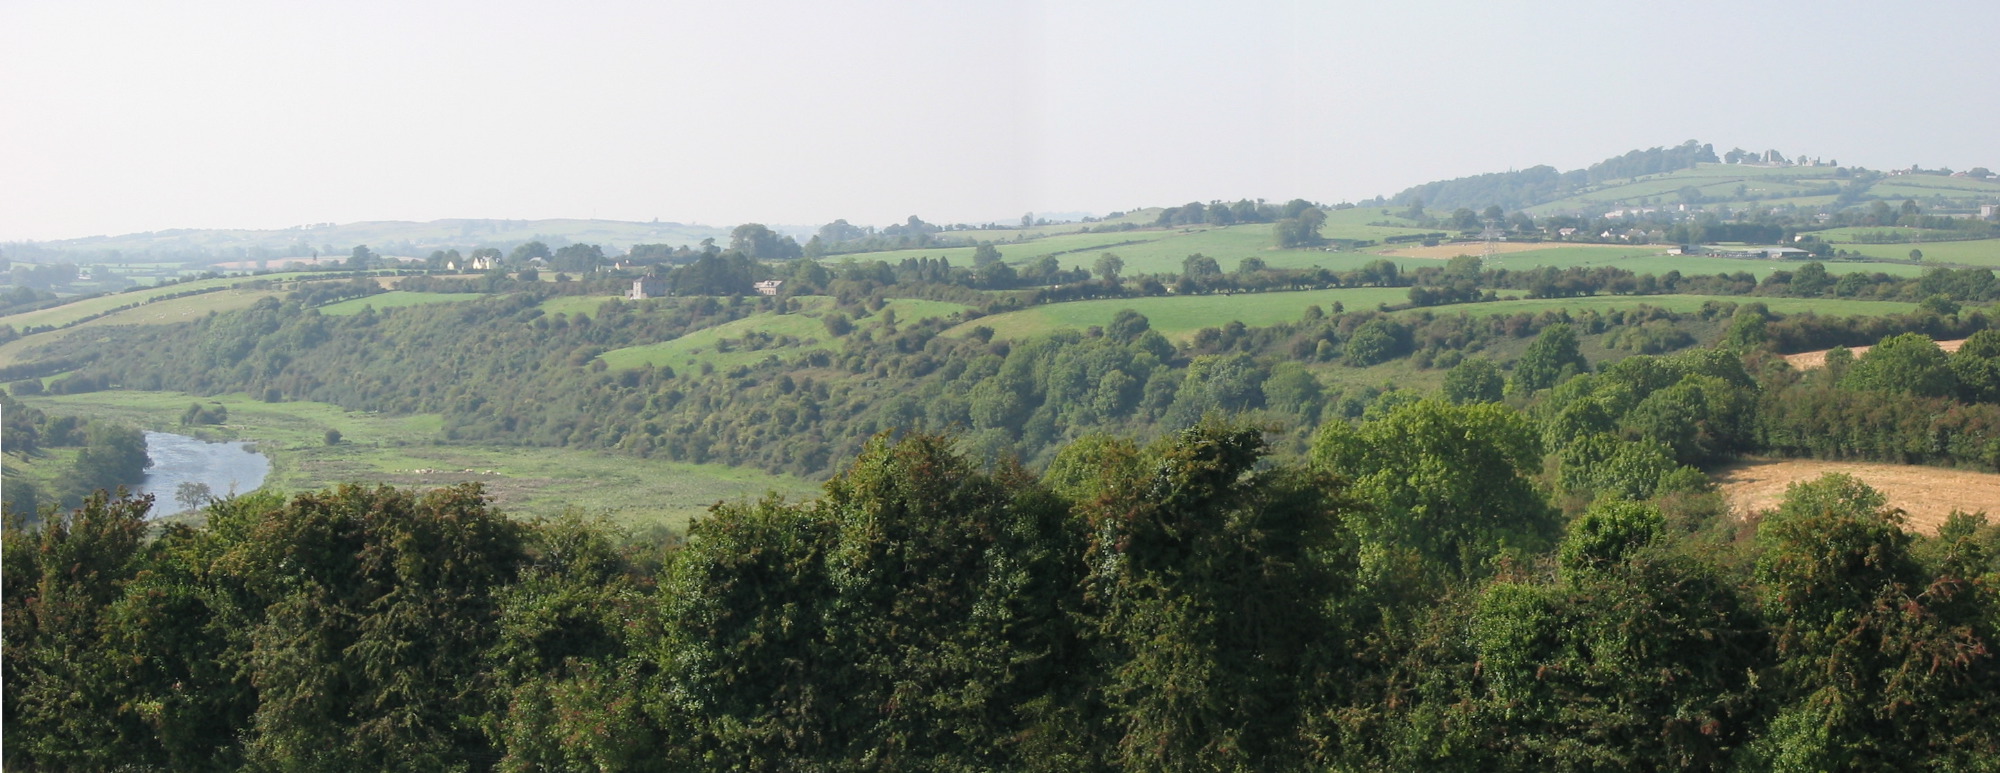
(226, 468)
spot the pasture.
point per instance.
(1676, 303)
(1985, 252)
(731, 344)
(403, 450)
(156, 313)
(69, 313)
(394, 299)
(1181, 316)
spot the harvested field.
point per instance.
(1455, 249)
(1811, 360)
(1928, 494)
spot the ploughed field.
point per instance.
(1927, 494)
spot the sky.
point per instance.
(121, 117)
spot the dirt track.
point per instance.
(1927, 494)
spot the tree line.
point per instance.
(1409, 594)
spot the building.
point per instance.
(769, 286)
(647, 287)
(1989, 211)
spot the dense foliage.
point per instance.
(1191, 604)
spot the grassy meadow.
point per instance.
(403, 450)
(394, 299)
(807, 326)
(156, 313)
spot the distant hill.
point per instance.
(386, 237)
(1693, 174)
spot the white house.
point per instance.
(647, 287)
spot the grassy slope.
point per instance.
(1770, 184)
(1181, 316)
(71, 312)
(1682, 303)
(393, 299)
(391, 449)
(808, 325)
(157, 313)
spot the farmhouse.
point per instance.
(1989, 211)
(647, 287)
(768, 286)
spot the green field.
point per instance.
(1679, 303)
(573, 305)
(705, 346)
(157, 313)
(401, 450)
(394, 299)
(1985, 252)
(1181, 316)
(71, 312)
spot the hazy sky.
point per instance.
(127, 116)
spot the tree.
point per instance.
(1301, 230)
(1879, 664)
(1127, 325)
(985, 255)
(361, 258)
(1377, 341)
(1210, 585)
(1474, 380)
(1550, 358)
(191, 495)
(1976, 365)
(1632, 657)
(1108, 266)
(1199, 265)
(529, 251)
(761, 243)
(1448, 483)
(1911, 363)
(582, 258)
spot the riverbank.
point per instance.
(406, 451)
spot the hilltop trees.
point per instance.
(761, 243)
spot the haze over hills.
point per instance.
(388, 237)
(1691, 175)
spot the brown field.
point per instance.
(1455, 249)
(1927, 494)
(1811, 360)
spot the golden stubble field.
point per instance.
(1811, 360)
(1927, 494)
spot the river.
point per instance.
(223, 467)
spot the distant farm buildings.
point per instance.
(1989, 211)
(769, 286)
(1744, 252)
